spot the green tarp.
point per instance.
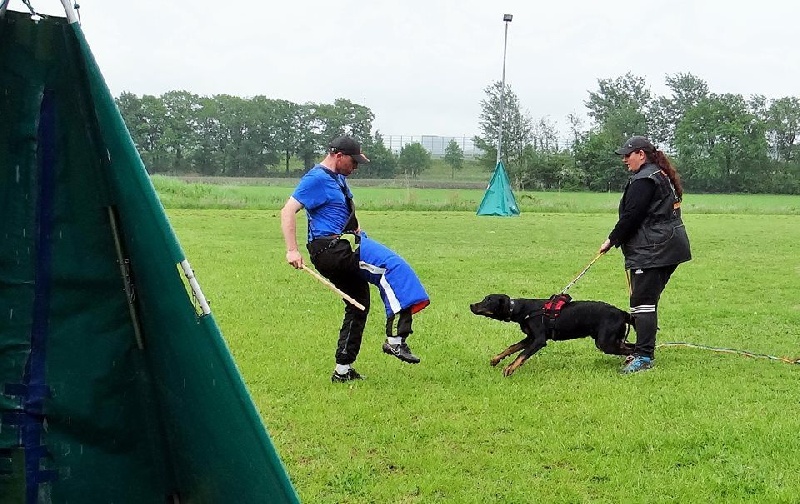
(114, 385)
(498, 198)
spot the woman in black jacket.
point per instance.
(652, 236)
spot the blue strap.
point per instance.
(21, 389)
(34, 386)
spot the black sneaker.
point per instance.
(350, 375)
(401, 351)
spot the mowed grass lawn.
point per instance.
(701, 427)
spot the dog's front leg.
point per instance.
(525, 355)
(516, 347)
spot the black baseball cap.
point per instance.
(633, 144)
(348, 145)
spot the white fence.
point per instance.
(434, 144)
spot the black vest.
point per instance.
(661, 240)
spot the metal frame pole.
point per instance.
(69, 10)
(506, 19)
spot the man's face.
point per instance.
(345, 164)
(634, 160)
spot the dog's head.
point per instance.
(494, 306)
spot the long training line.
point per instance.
(787, 360)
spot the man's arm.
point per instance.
(289, 229)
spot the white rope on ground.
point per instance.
(745, 353)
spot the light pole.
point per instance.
(506, 19)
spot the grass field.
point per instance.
(701, 427)
(272, 194)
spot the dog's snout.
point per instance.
(480, 308)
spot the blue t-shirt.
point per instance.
(320, 191)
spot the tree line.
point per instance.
(719, 142)
(183, 133)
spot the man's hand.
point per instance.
(289, 230)
(604, 247)
(294, 258)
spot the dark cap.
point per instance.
(347, 145)
(634, 144)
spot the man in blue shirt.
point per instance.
(324, 194)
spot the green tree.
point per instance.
(516, 125)
(543, 164)
(207, 157)
(414, 159)
(233, 130)
(311, 127)
(228, 135)
(318, 124)
(666, 112)
(286, 117)
(145, 118)
(783, 128)
(619, 109)
(547, 170)
(180, 121)
(357, 119)
(344, 117)
(623, 103)
(454, 156)
(382, 161)
(722, 145)
(595, 159)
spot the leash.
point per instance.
(745, 353)
(565, 289)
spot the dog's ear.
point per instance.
(504, 305)
(499, 305)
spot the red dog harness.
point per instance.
(552, 309)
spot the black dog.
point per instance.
(607, 324)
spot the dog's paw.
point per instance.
(509, 370)
(495, 360)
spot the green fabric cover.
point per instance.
(118, 423)
(498, 198)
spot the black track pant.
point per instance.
(646, 288)
(337, 261)
(399, 325)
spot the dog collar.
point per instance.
(510, 311)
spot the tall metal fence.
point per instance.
(434, 144)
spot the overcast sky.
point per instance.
(422, 66)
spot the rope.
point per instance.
(565, 289)
(787, 360)
(30, 8)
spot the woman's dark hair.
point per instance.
(659, 158)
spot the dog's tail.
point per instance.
(630, 321)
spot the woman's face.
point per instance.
(634, 160)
